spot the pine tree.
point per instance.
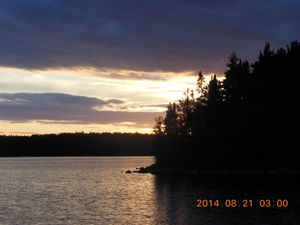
(171, 121)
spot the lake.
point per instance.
(96, 190)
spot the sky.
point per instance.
(113, 65)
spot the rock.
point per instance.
(128, 171)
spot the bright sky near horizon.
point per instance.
(86, 99)
(112, 66)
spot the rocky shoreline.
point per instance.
(154, 169)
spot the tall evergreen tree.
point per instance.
(171, 121)
(186, 108)
(214, 94)
(236, 78)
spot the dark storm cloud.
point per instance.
(169, 35)
(64, 108)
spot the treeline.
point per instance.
(249, 119)
(78, 144)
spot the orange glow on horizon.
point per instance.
(141, 91)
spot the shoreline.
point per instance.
(155, 170)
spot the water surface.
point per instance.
(96, 190)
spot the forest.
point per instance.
(248, 119)
(78, 144)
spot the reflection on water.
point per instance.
(95, 190)
(177, 197)
(69, 190)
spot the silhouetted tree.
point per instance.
(249, 120)
(214, 94)
(214, 99)
(159, 126)
(185, 111)
(171, 121)
(234, 85)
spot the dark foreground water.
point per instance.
(95, 190)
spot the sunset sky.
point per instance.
(113, 65)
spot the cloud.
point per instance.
(66, 109)
(156, 35)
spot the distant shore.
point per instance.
(77, 144)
